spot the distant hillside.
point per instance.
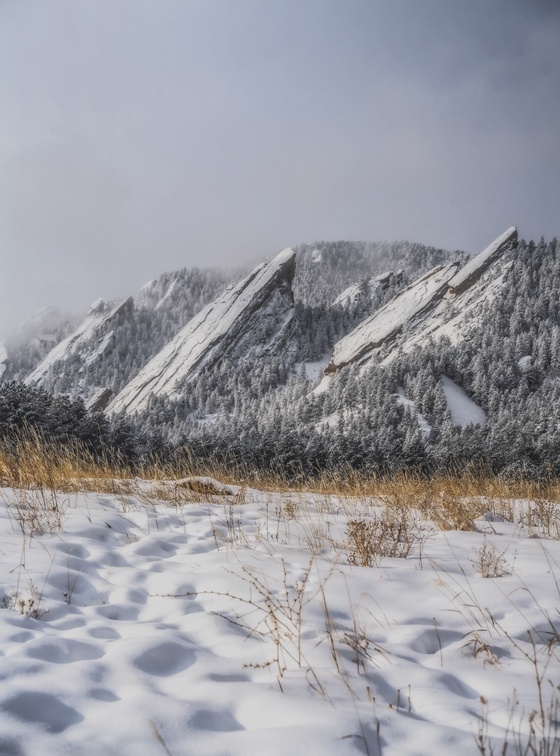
(374, 357)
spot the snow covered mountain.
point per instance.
(101, 355)
(248, 320)
(116, 339)
(458, 367)
(442, 302)
(94, 338)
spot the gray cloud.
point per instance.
(142, 136)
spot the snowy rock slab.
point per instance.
(445, 301)
(386, 323)
(91, 339)
(473, 270)
(254, 317)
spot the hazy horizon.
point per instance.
(141, 137)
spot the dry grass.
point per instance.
(396, 533)
(31, 461)
(450, 502)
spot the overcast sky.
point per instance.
(140, 136)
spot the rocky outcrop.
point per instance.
(355, 292)
(443, 302)
(100, 400)
(90, 340)
(251, 319)
(385, 325)
(475, 269)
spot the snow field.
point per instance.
(246, 623)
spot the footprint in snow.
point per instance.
(156, 548)
(120, 612)
(64, 651)
(43, 709)
(215, 721)
(428, 640)
(233, 678)
(165, 659)
(102, 694)
(73, 549)
(104, 633)
(22, 637)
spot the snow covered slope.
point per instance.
(442, 302)
(249, 319)
(463, 410)
(92, 339)
(116, 339)
(386, 323)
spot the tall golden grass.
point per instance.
(30, 459)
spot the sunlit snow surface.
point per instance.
(157, 635)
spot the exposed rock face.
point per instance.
(253, 318)
(443, 302)
(90, 340)
(100, 400)
(353, 293)
(474, 270)
(384, 325)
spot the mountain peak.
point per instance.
(420, 310)
(252, 318)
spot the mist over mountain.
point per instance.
(330, 355)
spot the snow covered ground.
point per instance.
(246, 624)
(463, 410)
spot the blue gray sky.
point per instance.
(140, 136)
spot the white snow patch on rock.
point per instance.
(479, 264)
(444, 302)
